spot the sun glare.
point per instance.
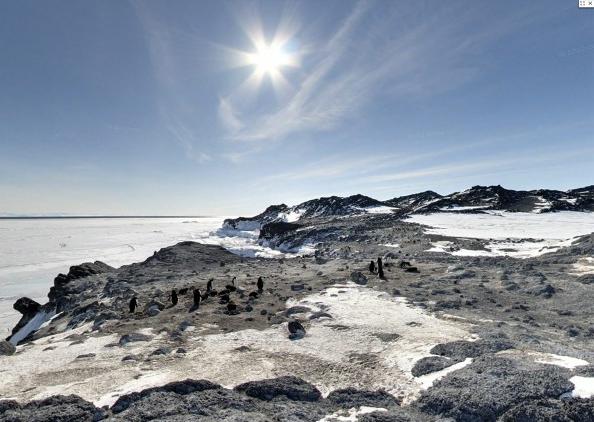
(268, 59)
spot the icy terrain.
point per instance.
(326, 356)
(521, 235)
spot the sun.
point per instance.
(269, 59)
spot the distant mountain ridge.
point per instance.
(474, 199)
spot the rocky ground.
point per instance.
(464, 338)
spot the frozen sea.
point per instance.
(34, 251)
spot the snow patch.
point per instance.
(463, 208)
(370, 342)
(351, 415)
(583, 266)
(584, 387)
(558, 360)
(429, 379)
(34, 324)
(520, 235)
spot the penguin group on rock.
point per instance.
(198, 296)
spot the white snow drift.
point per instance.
(514, 234)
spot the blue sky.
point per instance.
(160, 107)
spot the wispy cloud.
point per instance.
(369, 56)
(185, 138)
(228, 116)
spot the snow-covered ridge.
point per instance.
(477, 198)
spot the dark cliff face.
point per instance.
(59, 293)
(254, 223)
(335, 205)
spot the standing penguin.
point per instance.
(380, 268)
(133, 304)
(260, 284)
(174, 298)
(372, 267)
(209, 285)
(197, 298)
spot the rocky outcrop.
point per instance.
(498, 385)
(270, 231)
(270, 214)
(28, 308)
(59, 293)
(292, 388)
(55, 408)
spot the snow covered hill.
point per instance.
(475, 199)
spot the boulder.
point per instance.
(133, 337)
(7, 348)
(431, 364)
(27, 306)
(290, 387)
(296, 330)
(359, 278)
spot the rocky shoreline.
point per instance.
(466, 338)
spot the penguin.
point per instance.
(174, 298)
(260, 284)
(133, 304)
(209, 285)
(380, 268)
(372, 267)
(197, 298)
(253, 295)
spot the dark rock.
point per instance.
(26, 306)
(490, 386)
(55, 408)
(292, 388)
(359, 278)
(86, 356)
(350, 397)
(161, 351)
(60, 292)
(551, 410)
(130, 357)
(462, 349)
(430, 364)
(179, 387)
(297, 310)
(133, 337)
(271, 230)
(297, 287)
(7, 348)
